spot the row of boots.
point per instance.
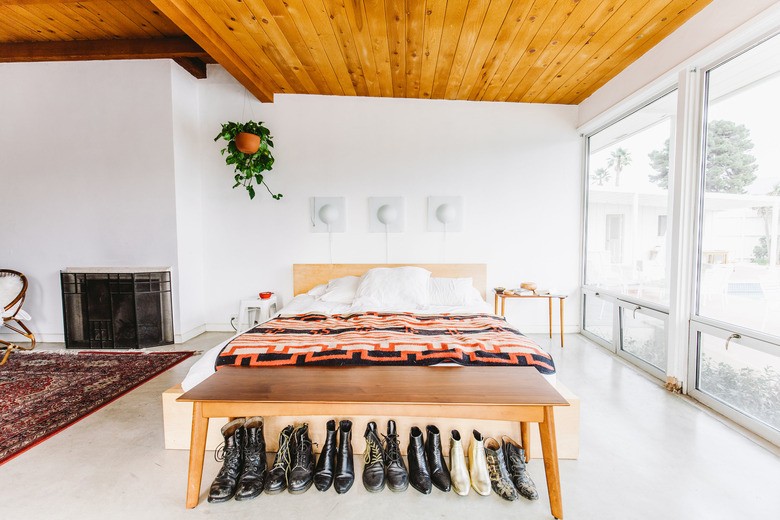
(500, 467)
(243, 473)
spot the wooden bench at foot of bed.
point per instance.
(177, 419)
(502, 393)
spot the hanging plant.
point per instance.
(248, 166)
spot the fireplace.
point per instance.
(117, 307)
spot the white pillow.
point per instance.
(405, 287)
(318, 290)
(341, 290)
(452, 291)
(9, 289)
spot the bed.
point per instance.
(332, 321)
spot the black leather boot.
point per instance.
(397, 476)
(345, 466)
(515, 463)
(440, 475)
(279, 474)
(499, 476)
(252, 479)
(419, 476)
(302, 472)
(326, 464)
(374, 469)
(232, 454)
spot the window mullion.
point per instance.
(684, 208)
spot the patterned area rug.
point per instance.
(42, 393)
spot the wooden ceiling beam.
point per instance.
(194, 66)
(191, 22)
(101, 50)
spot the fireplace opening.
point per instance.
(117, 308)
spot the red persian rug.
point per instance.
(42, 393)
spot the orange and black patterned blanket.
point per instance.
(377, 338)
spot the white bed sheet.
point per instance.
(304, 303)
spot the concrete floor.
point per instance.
(644, 453)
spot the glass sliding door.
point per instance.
(627, 260)
(738, 269)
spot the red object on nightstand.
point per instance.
(265, 295)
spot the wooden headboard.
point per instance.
(308, 276)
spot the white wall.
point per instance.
(517, 167)
(189, 310)
(697, 36)
(85, 172)
(114, 163)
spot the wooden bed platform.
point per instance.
(177, 416)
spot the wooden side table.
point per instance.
(561, 297)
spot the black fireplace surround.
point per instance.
(126, 309)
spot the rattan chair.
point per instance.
(13, 288)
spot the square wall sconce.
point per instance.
(445, 214)
(386, 214)
(329, 215)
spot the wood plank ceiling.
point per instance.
(538, 51)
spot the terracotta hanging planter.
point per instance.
(248, 160)
(247, 143)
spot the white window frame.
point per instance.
(618, 299)
(596, 293)
(623, 306)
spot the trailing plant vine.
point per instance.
(248, 166)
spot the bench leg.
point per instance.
(550, 452)
(525, 439)
(200, 426)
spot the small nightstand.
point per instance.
(261, 310)
(503, 297)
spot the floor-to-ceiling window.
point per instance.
(735, 328)
(626, 293)
(723, 285)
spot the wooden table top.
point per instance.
(379, 385)
(526, 295)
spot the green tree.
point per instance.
(730, 167)
(761, 251)
(659, 161)
(600, 176)
(618, 160)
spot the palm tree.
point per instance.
(618, 160)
(600, 176)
